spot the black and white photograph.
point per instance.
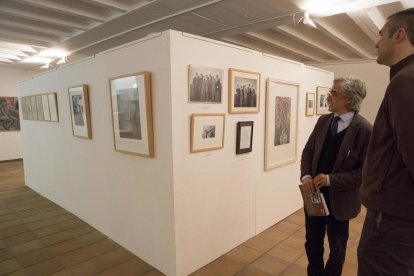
(207, 132)
(79, 108)
(310, 104)
(244, 91)
(132, 114)
(322, 100)
(205, 84)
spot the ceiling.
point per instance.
(85, 27)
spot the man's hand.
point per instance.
(320, 180)
(308, 183)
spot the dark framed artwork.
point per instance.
(244, 140)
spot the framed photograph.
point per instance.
(244, 91)
(22, 106)
(207, 132)
(39, 107)
(79, 110)
(33, 107)
(244, 140)
(53, 107)
(45, 104)
(9, 114)
(321, 100)
(132, 114)
(205, 84)
(281, 123)
(310, 104)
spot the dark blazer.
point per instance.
(345, 178)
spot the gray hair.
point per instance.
(354, 89)
(402, 19)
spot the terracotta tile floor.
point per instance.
(37, 237)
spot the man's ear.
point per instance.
(399, 35)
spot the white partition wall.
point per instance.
(179, 210)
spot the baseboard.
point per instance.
(11, 160)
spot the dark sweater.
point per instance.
(388, 173)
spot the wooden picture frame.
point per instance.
(80, 111)
(244, 91)
(310, 104)
(321, 100)
(132, 114)
(207, 132)
(205, 84)
(244, 142)
(281, 123)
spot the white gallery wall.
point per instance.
(376, 77)
(179, 210)
(10, 146)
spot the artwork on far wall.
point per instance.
(244, 138)
(79, 110)
(132, 114)
(9, 114)
(205, 84)
(310, 104)
(321, 100)
(207, 132)
(244, 91)
(281, 122)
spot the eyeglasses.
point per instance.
(333, 93)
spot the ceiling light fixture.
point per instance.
(307, 20)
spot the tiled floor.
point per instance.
(37, 237)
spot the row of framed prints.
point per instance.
(42, 107)
(321, 103)
(205, 85)
(207, 130)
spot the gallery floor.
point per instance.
(37, 237)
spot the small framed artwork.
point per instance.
(207, 132)
(205, 84)
(310, 104)
(33, 107)
(132, 114)
(53, 107)
(22, 106)
(46, 112)
(321, 100)
(244, 91)
(79, 110)
(9, 114)
(281, 123)
(39, 106)
(244, 137)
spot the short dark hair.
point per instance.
(402, 19)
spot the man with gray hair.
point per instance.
(387, 240)
(332, 162)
